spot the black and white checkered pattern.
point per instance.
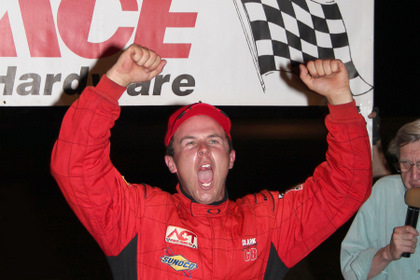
(289, 32)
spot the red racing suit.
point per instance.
(147, 233)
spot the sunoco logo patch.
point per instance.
(178, 262)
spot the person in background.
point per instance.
(198, 233)
(377, 238)
(380, 165)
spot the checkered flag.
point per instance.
(282, 34)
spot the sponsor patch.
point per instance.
(250, 252)
(294, 189)
(180, 236)
(178, 262)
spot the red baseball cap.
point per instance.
(196, 109)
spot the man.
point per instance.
(198, 232)
(377, 238)
(380, 166)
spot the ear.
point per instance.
(170, 163)
(232, 157)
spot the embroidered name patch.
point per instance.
(249, 242)
(250, 252)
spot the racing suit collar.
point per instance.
(197, 209)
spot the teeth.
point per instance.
(206, 166)
(206, 184)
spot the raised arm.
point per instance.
(80, 161)
(338, 187)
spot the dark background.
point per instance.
(277, 147)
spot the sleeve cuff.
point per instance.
(361, 266)
(109, 89)
(343, 111)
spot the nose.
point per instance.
(203, 149)
(415, 173)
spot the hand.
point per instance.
(404, 239)
(135, 65)
(328, 78)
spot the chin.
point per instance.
(205, 197)
(205, 201)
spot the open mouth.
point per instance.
(205, 176)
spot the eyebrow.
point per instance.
(188, 137)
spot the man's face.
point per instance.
(201, 158)
(411, 152)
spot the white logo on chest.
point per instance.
(180, 236)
